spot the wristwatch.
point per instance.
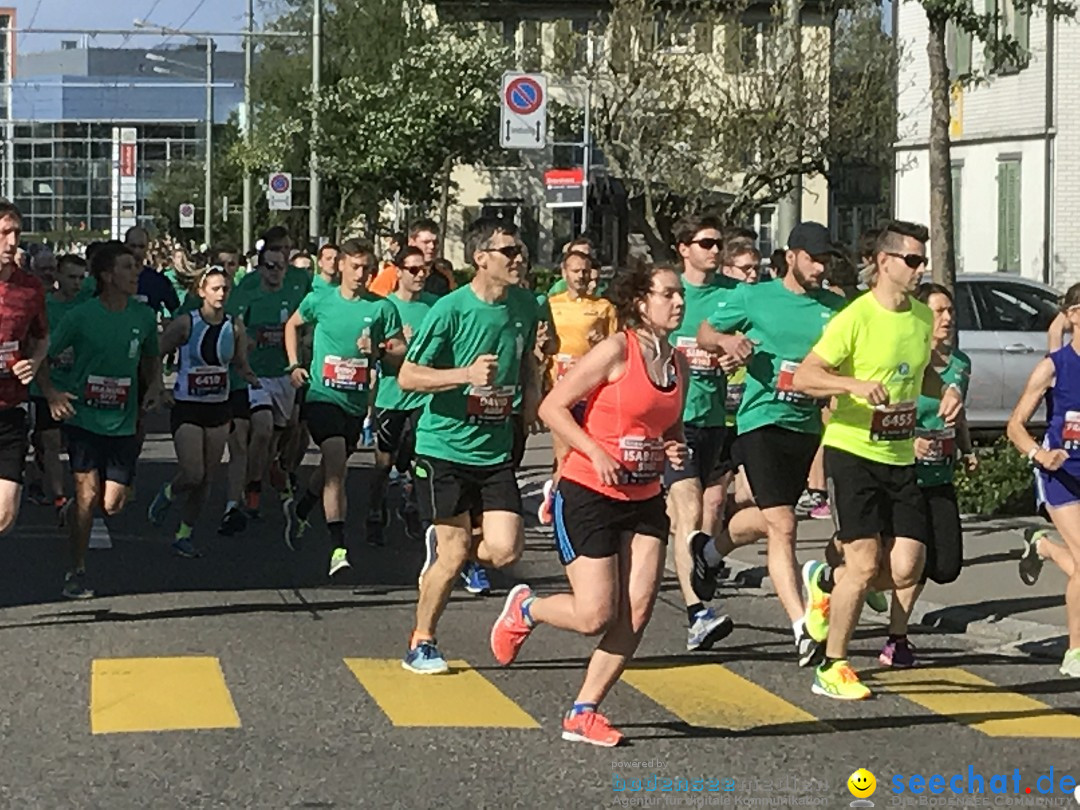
(1034, 451)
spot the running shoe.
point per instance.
(510, 629)
(810, 652)
(159, 507)
(877, 601)
(545, 512)
(431, 549)
(703, 577)
(394, 478)
(1030, 562)
(839, 682)
(592, 728)
(233, 522)
(822, 510)
(897, 652)
(425, 659)
(817, 601)
(35, 493)
(476, 579)
(807, 501)
(1070, 664)
(707, 628)
(339, 561)
(184, 548)
(75, 586)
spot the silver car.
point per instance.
(1002, 322)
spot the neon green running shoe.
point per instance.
(817, 601)
(839, 682)
(1070, 664)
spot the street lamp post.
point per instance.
(315, 187)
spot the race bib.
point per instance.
(563, 364)
(1070, 431)
(642, 459)
(893, 423)
(734, 396)
(785, 388)
(9, 356)
(942, 446)
(208, 381)
(270, 337)
(701, 362)
(489, 404)
(107, 393)
(345, 374)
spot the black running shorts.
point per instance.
(870, 498)
(447, 489)
(588, 524)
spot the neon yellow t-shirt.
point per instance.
(868, 342)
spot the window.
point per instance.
(747, 45)
(957, 190)
(958, 50)
(1008, 258)
(966, 316)
(532, 49)
(1012, 307)
(1013, 21)
(766, 230)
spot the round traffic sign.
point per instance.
(279, 183)
(524, 95)
(187, 210)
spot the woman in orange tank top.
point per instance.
(611, 524)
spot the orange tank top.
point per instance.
(628, 418)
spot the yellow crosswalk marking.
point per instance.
(461, 697)
(712, 696)
(159, 694)
(994, 710)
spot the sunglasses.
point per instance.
(274, 266)
(708, 243)
(423, 268)
(509, 251)
(912, 260)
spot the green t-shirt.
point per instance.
(939, 470)
(319, 284)
(105, 369)
(463, 424)
(412, 314)
(60, 366)
(871, 343)
(784, 326)
(252, 280)
(340, 374)
(707, 388)
(557, 287)
(264, 314)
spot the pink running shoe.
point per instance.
(510, 630)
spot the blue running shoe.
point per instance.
(159, 507)
(707, 628)
(476, 578)
(425, 659)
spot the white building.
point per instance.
(1015, 152)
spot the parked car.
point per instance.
(1002, 321)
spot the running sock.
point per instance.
(306, 504)
(823, 493)
(797, 627)
(581, 708)
(826, 663)
(526, 614)
(713, 557)
(894, 637)
(826, 580)
(337, 533)
(184, 532)
(415, 638)
(693, 610)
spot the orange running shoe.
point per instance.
(592, 728)
(510, 629)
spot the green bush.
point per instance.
(1003, 483)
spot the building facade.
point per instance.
(1015, 146)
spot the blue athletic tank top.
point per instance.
(203, 373)
(1063, 405)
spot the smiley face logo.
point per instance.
(862, 784)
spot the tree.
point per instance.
(722, 110)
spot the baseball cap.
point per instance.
(814, 238)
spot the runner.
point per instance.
(935, 459)
(1057, 469)
(327, 275)
(396, 411)
(581, 244)
(209, 342)
(580, 321)
(610, 518)
(875, 358)
(778, 429)
(24, 342)
(155, 289)
(69, 277)
(423, 235)
(115, 344)
(353, 330)
(472, 353)
(697, 490)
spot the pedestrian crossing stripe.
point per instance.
(978, 703)
(460, 698)
(712, 696)
(159, 694)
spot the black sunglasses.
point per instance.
(423, 268)
(509, 251)
(912, 260)
(707, 243)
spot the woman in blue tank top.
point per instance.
(1057, 469)
(209, 342)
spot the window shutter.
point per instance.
(703, 37)
(963, 54)
(733, 42)
(1009, 215)
(1022, 27)
(957, 202)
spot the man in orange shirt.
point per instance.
(424, 235)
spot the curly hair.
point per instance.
(630, 288)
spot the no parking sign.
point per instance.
(524, 111)
(279, 191)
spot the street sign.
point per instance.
(565, 188)
(523, 124)
(187, 215)
(279, 191)
(125, 153)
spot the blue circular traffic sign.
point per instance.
(524, 95)
(279, 183)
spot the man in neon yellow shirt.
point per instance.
(874, 357)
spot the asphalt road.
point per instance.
(245, 679)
